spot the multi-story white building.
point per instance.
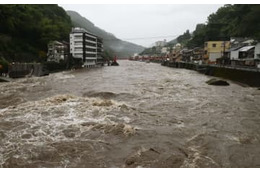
(85, 46)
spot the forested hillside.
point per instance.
(26, 29)
(240, 20)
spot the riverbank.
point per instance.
(20, 70)
(246, 76)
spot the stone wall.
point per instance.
(23, 69)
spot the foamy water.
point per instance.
(134, 115)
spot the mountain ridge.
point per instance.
(119, 47)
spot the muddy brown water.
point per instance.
(134, 115)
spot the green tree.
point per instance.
(184, 38)
(29, 28)
(240, 20)
(198, 38)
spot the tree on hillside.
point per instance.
(198, 38)
(250, 22)
(183, 39)
(240, 20)
(29, 28)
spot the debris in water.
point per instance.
(103, 103)
(60, 98)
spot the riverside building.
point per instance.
(86, 46)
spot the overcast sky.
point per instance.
(140, 23)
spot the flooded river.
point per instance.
(134, 115)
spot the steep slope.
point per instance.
(118, 47)
(26, 29)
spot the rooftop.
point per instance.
(246, 48)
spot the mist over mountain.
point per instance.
(111, 43)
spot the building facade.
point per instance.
(164, 50)
(57, 51)
(215, 49)
(160, 43)
(85, 46)
(257, 51)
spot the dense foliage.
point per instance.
(3, 65)
(26, 30)
(184, 38)
(240, 20)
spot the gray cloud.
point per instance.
(131, 22)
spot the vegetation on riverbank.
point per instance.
(26, 29)
(3, 65)
(239, 20)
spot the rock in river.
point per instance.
(217, 82)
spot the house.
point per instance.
(257, 55)
(257, 51)
(246, 52)
(234, 53)
(160, 43)
(247, 55)
(242, 51)
(197, 55)
(243, 56)
(57, 51)
(186, 55)
(176, 48)
(164, 50)
(215, 49)
(240, 41)
(85, 47)
(236, 43)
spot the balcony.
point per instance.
(78, 45)
(90, 41)
(92, 53)
(91, 36)
(91, 47)
(77, 51)
(78, 39)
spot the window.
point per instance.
(214, 45)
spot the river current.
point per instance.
(133, 115)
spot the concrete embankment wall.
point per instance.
(251, 78)
(23, 69)
(246, 76)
